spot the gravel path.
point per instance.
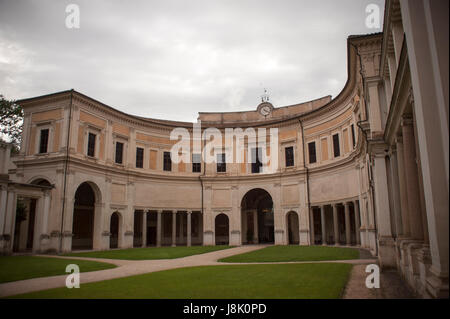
(127, 268)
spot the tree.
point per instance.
(11, 121)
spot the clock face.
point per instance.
(265, 110)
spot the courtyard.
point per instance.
(205, 272)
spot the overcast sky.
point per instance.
(171, 59)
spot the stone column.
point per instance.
(10, 219)
(189, 214)
(174, 228)
(46, 211)
(402, 188)
(311, 219)
(323, 224)
(3, 202)
(335, 225)
(412, 179)
(158, 228)
(386, 244)
(144, 228)
(255, 226)
(357, 222)
(348, 238)
(44, 237)
(396, 191)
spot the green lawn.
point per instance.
(294, 253)
(287, 281)
(13, 268)
(150, 252)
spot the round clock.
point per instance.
(265, 110)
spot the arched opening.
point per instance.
(114, 230)
(293, 228)
(24, 228)
(222, 229)
(83, 217)
(257, 222)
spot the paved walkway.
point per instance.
(391, 286)
(127, 268)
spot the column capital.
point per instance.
(392, 149)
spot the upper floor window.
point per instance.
(289, 156)
(139, 157)
(221, 164)
(336, 147)
(91, 145)
(43, 142)
(196, 163)
(167, 162)
(119, 153)
(312, 152)
(353, 135)
(256, 160)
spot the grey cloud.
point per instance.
(171, 59)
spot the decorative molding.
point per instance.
(55, 233)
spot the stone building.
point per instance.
(368, 168)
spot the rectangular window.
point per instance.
(353, 136)
(91, 145)
(336, 148)
(289, 155)
(256, 160)
(196, 163)
(312, 152)
(43, 143)
(221, 165)
(167, 162)
(139, 157)
(119, 153)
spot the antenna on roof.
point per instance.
(265, 96)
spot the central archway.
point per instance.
(257, 222)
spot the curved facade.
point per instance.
(97, 178)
